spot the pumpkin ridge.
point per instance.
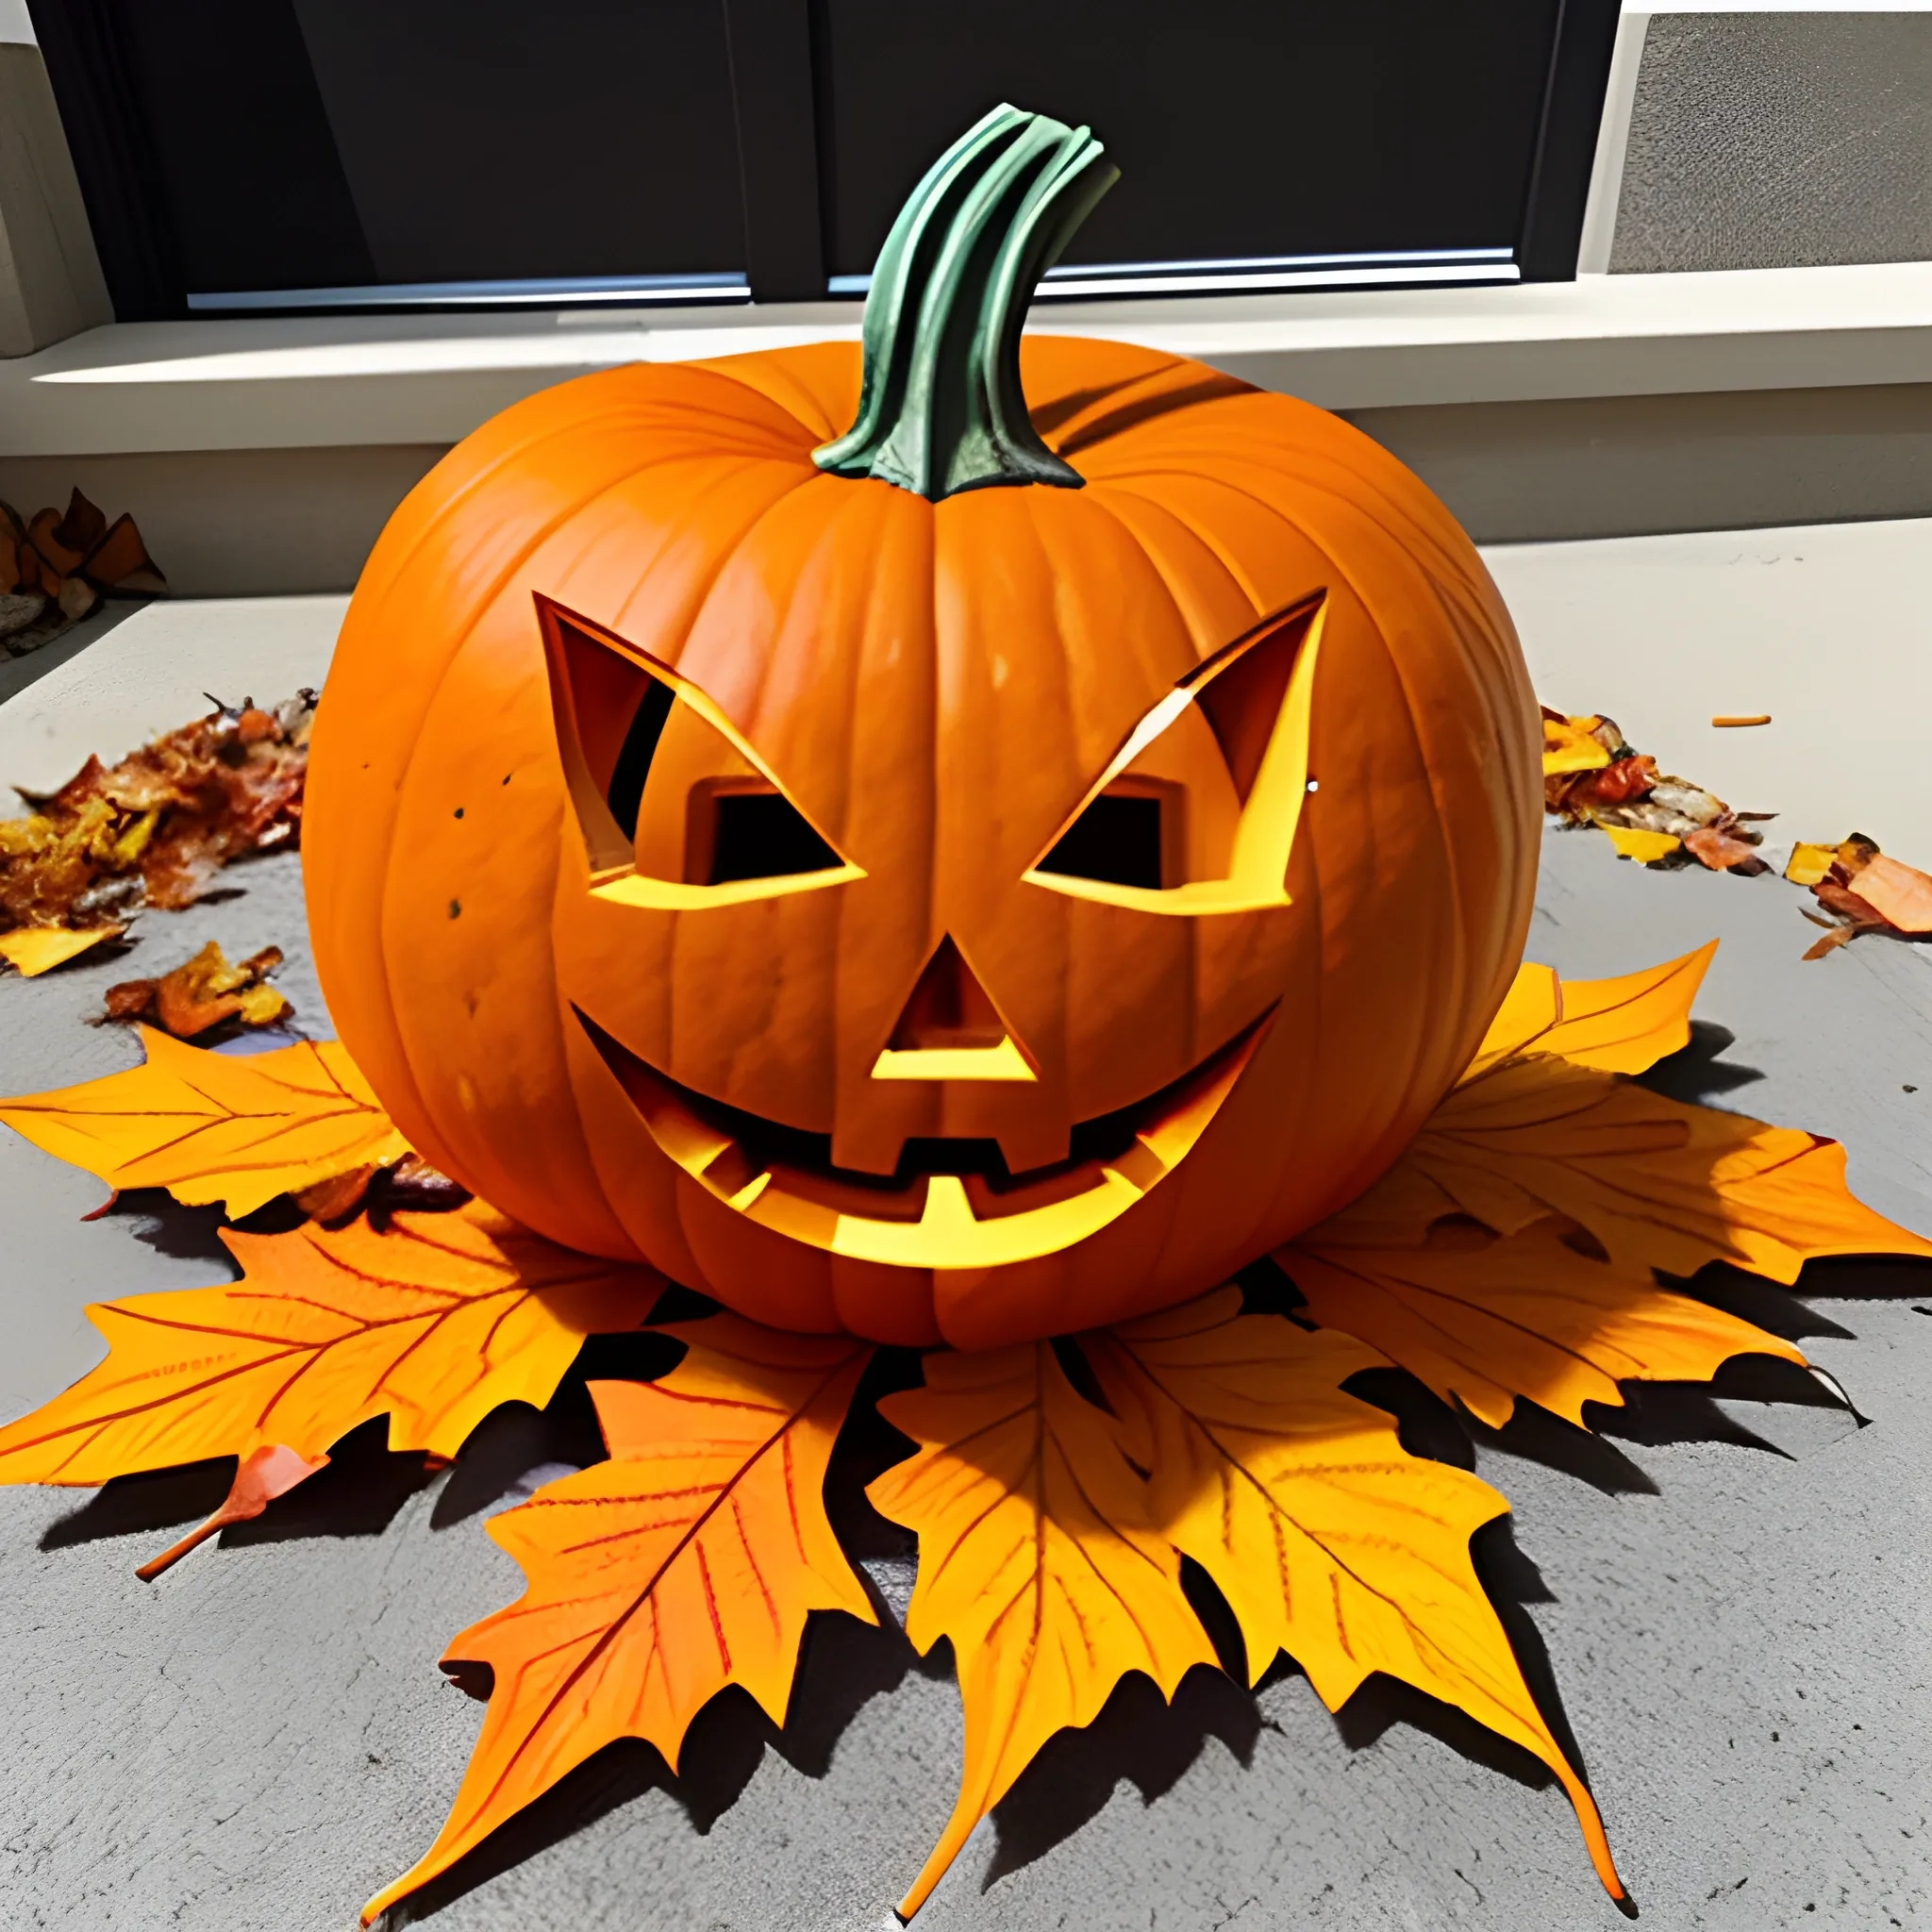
(1217, 479)
(1329, 549)
(413, 1048)
(720, 557)
(1132, 536)
(1209, 538)
(1208, 637)
(1412, 500)
(1456, 868)
(413, 1055)
(359, 835)
(841, 510)
(1445, 556)
(779, 375)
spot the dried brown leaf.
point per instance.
(1720, 849)
(202, 992)
(1899, 894)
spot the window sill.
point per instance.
(323, 381)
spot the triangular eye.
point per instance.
(675, 809)
(1197, 810)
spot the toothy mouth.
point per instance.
(953, 1204)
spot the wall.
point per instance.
(1778, 140)
(1755, 139)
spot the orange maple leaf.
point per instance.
(433, 1324)
(239, 1128)
(36, 949)
(1509, 1254)
(1583, 1184)
(1328, 1540)
(1528, 1316)
(1038, 1557)
(1622, 1025)
(686, 1563)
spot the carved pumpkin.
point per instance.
(996, 872)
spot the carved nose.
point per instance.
(950, 1030)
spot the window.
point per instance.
(251, 155)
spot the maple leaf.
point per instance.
(686, 1563)
(209, 1126)
(433, 1324)
(1038, 1557)
(1622, 1025)
(1530, 1317)
(1592, 1183)
(1328, 1540)
(1657, 1183)
(38, 949)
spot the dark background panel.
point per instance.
(246, 169)
(114, 157)
(1242, 127)
(500, 138)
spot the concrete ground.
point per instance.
(1732, 1593)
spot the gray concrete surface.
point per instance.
(1739, 1629)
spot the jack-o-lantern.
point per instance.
(998, 870)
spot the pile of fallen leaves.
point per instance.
(153, 830)
(1056, 1491)
(55, 569)
(1861, 891)
(1591, 777)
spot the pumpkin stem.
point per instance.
(940, 409)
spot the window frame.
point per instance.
(777, 113)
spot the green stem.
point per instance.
(940, 409)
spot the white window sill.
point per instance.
(302, 382)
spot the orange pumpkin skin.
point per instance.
(936, 686)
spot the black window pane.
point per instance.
(1244, 128)
(249, 173)
(322, 143)
(488, 138)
